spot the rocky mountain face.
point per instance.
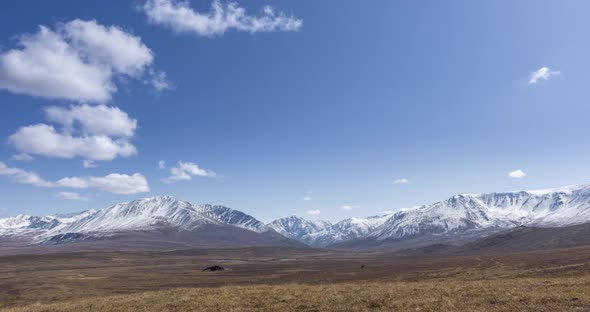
(558, 207)
(155, 213)
(323, 233)
(458, 215)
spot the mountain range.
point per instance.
(167, 221)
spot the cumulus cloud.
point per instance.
(184, 171)
(93, 120)
(77, 61)
(180, 17)
(114, 183)
(517, 174)
(91, 132)
(162, 164)
(401, 181)
(313, 212)
(22, 157)
(45, 140)
(23, 176)
(71, 196)
(543, 73)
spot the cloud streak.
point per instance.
(349, 207)
(113, 183)
(22, 157)
(71, 196)
(542, 74)
(180, 17)
(185, 171)
(23, 176)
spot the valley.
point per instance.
(511, 251)
(294, 279)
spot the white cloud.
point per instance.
(313, 212)
(543, 73)
(185, 172)
(71, 196)
(307, 198)
(77, 61)
(22, 157)
(42, 139)
(91, 132)
(349, 207)
(162, 164)
(401, 181)
(93, 120)
(180, 17)
(23, 176)
(114, 183)
(517, 174)
(159, 80)
(89, 163)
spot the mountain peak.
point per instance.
(458, 214)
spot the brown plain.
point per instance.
(293, 279)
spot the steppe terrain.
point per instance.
(296, 279)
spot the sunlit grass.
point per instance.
(503, 294)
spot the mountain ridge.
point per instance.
(457, 215)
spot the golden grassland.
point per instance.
(260, 280)
(502, 294)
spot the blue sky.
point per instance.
(333, 103)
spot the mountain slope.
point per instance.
(305, 231)
(233, 217)
(534, 238)
(150, 222)
(463, 216)
(552, 207)
(323, 233)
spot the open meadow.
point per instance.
(283, 279)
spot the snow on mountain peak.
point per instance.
(551, 207)
(460, 213)
(140, 214)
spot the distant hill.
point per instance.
(534, 238)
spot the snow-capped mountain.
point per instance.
(305, 231)
(323, 233)
(141, 214)
(354, 228)
(233, 217)
(552, 207)
(137, 215)
(459, 214)
(24, 223)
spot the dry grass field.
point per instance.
(263, 279)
